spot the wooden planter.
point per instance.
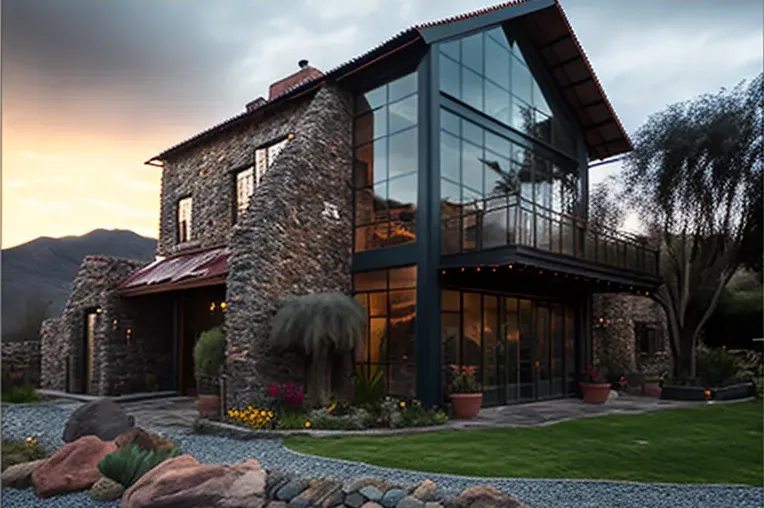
(595, 393)
(651, 389)
(466, 405)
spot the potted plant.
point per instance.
(466, 397)
(595, 389)
(652, 385)
(209, 356)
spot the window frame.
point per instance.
(258, 176)
(180, 237)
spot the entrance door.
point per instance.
(88, 364)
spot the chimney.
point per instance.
(306, 73)
(251, 106)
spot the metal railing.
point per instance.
(513, 220)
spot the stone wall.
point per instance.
(132, 336)
(287, 244)
(21, 362)
(614, 339)
(205, 173)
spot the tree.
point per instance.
(326, 327)
(35, 311)
(695, 176)
(605, 209)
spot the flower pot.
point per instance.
(595, 393)
(208, 405)
(651, 389)
(466, 405)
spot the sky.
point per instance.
(93, 88)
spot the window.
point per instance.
(648, 338)
(488, 72)
(385, 165)
(184, 220)
(249, 179)
(389, 299)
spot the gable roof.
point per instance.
(549, 31)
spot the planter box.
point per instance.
(651, 389)
(698, 393)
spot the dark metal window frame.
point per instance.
(178, 234)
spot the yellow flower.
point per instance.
(307, 425)
(31, 440)
(262, 413)
(403, 404)
(270, 414)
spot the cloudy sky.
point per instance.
(92, 88)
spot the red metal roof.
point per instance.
(184, 270)
(605, 136)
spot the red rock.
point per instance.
(485, 496)
(182, 481)
(136, 436)
(73, 467)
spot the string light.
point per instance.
(478, 268)
(223, 305)
(442, 272)
(462, 269)
(212, 306)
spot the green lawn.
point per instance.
(707, 444)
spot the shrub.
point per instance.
(367, 387)
(209, 352)
(18, 452)
(357, 418)
(21, 394)
(716, 366)
(398, 413)
(126, 466)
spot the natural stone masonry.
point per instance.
(132, 336)
(205, 173)
(286, 243)
(616, 340)
(21, 362)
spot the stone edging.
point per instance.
(205, 426)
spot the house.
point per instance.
(441, 178)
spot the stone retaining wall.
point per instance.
(21, 362)
(289, 243)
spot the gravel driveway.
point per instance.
(46, 421)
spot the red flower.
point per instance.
(273, 391)
(623, 381)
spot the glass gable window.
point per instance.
(385, 165)
(488, 183)
(184, 220)
(389, 299)
(250, 178)
(488, 72)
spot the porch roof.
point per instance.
(184, 270)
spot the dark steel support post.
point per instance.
(428, 343)
(175, 343)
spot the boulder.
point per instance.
(424, 490)
(19, 476)
(182, 481)
(106, 489)
(317, 491)
(72, 468)
(485, 496)
(392, 497)
(136, 436)
(359, 483)
(103, 418)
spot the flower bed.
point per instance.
(283, 410)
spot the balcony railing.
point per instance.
(512, 220)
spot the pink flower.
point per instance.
(273, 391)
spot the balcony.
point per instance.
(496, 222)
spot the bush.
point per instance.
(127, 465)
(356, 418)
(18, 452)
(209, 353)
(21, 394)
(398, 413)
(716, 366)
(367, 386)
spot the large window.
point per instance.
(488, 72)
(486, 182)
(250, 178)
(184, 220)
(385, 165)
(389, 297)
(648, 339)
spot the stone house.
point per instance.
(441, 178)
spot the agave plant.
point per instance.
(326, 327)
(127, 465)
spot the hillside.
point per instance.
(42, 270)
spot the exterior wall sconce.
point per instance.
(290, 137)
(114, 324)
(212, 306)
(223, 305)
(601, 320)
(99, 310)
(128, 334)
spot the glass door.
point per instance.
(541, 362)
(558, 350)
(511, 336)
(525, 351)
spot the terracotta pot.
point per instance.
(651, 389)
(208, 405)
(595, 393)
(466, 405)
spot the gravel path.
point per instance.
(46, 421)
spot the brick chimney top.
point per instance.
(306, 73)
(255, 104)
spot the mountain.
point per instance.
(42, 271)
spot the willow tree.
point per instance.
(325, 327)
(695, 176)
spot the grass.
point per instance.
(16, 452)
(717, 444)
(21, 394)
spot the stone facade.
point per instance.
(289, 242)
(132, 338)
(614, 340)
(205, 174)
(21, 362)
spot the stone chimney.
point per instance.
(306, 73)
(251, 106)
